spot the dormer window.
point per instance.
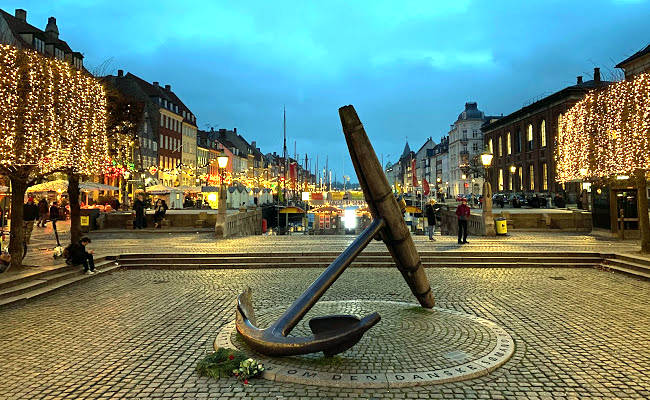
(39, 45)
(58, 54)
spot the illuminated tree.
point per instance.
(607, 134)
(52, 119)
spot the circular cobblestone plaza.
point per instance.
(577, 333)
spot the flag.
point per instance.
(293, 169)
(415, 177)
(425, 186)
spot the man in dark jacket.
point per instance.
(431, 218)
(54, 214)
(42, 213)
(462, 211)
(138, 207)
(30, 214)
(77, 254)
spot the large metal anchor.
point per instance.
(337, 333)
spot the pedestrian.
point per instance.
(431, 218)
(138, 207)
(159, 212)
(54, 214)
(77, 254)
(115, 204)
(42, 212)
(30, 214)
(462, 212)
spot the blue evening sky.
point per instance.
(407, 66)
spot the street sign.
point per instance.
(85, 220)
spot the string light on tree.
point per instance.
(607, 133)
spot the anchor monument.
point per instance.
(334, 334)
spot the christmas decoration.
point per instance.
(607, 133)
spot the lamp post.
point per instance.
(488, 219)
(438, 188)
(513, 170)
(222, 162)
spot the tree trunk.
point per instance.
(642, 202)
(17, 236)
(75, 214)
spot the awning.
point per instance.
(292, 210)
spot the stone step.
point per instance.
(361, 259)
(364, 265)
(40, 273)
(628, 267)
(56, 284)
(22, 288)
(630, 258)
(333, 255)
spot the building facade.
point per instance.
(15, 31)
(523, 143)
(636, 64)
(161, 136)
(465, 143)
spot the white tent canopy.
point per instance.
(62, 186)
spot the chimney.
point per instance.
(168, 87)
(580, 80)
(235, 130)
(253, 144)
(51, 29)
(156, 84)
(21, 14)
(120, 72)
(597, 74)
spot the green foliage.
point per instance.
(220, 363)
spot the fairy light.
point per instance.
(607, 133)
(52, 116)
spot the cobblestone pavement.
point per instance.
(579, 333)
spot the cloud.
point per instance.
(408, 67)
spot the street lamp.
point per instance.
(222, 162)
(488, 220)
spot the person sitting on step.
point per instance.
(77, 254)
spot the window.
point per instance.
(58, 54)
(510, 180)
(544, 177)
(508, 144)
(39, 45)
(475, 133)
(162, 121)
(531, 176)
(520, 172)
(542, 133)
(475, 147)
(500, 179)
(559, 122)
(500, 146)
(490, 146)
(529, 137)
(518, 141)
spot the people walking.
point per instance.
(138, 207)
(54, 214)
(42, 213)
(431, 218)
(30, 214)
(462, 212)
(77, 254)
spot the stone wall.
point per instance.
(247, 222)
(575, 221)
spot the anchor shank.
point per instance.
(285, 324)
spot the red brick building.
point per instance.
(524, 141)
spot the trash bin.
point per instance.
(89, 219)
(502, 226)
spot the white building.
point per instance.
(465, 143)
(422, 157)
(439, 167)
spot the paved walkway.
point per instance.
(137, 334)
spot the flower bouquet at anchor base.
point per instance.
(248, 368)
